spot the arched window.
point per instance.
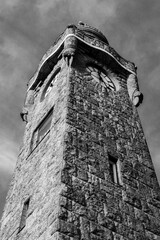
(114, 170)
(24, 214)
(42, 130)
(99, 74)
(50, 83)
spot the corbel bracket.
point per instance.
(70, 47)
(133, 90)
(24, 115)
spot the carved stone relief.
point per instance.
(132, 85)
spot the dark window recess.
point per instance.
(114, 169)
(42, 129)
(24, 214)
(50, 83)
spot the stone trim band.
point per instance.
(92, 42)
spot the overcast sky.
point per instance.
(29, 27)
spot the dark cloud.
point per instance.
(28, 29)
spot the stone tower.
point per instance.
(84, 171)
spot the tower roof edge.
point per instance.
(89, 36)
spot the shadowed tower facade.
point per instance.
(84, 171)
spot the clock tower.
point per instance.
(84, 171)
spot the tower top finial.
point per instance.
(81, 23)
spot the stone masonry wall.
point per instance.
(102, 122)
(38, 172)
(67, 177)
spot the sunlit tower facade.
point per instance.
(84, 171)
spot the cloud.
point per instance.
(136, 22)
(5, 179)
(154, 78)
(8, 5)
(94, 12)
(9, 151)
(15, 63)
(8, 157)
(91, 10)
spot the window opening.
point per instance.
(42, 129)
(50, 83)
(24, 214)
(114, 169)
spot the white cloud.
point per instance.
(94, 12)
(8, 156)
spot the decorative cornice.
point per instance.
(94, 41)
(91, 30)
